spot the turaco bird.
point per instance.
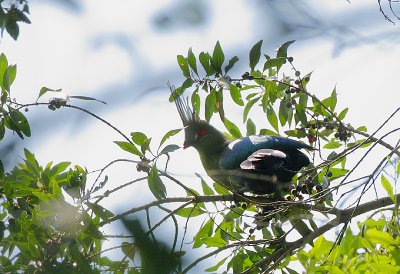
(259, 164)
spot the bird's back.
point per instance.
(238, 151)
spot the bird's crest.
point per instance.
(188, 116)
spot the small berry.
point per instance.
(288, 198)
(304, 189)
(251, 77)
(318, 188)
(329, 174)
(238, 84)
(232, 206)
(326, 120)
(244, 206)
(297, 82)
(307, 78)
(26, 109)
(245, 75)
(290, 59)
(294, 192)
(251, 231)
(293, 90)
(300, 197)
(297, 73)
(287, 91)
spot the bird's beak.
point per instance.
(186, 145)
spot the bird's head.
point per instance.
(198, 133)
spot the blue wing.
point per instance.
(239, 150)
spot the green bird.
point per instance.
(258, 164)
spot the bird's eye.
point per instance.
(200, 134)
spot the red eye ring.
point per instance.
(201, 133)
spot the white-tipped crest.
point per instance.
(188, 116)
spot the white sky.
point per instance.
(87, 52)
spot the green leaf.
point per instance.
(215, 267)
(255, 54)
(333, 99)
(186, 84)
(233, 129)
(283, 112)
(85, 98)
(9, 77)
(100, 211)
(332, 144)
(362, 128)
(298, 133)
(138, 137)
(220, 189)
(303, 98)
(379, 237)
(21, 123)
(169, 148)
(206, 189)
(192, 61)
(205, 60)
(231, 63)
(236, 96)
(218, 58)
(266, 131)
(388, 187)
(131, 148)
(12, 28)
(273, 120)
(195, 99)
(169, 134)
(3, 67)
(184, 65)
(342, 114)
(251, 127)
(282, 52)
(248, 106)
(188, 212)
(155, 184)
(43, 91)
(300, 115)
(210, 105)
(214, 241)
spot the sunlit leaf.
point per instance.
(236, 96)
(233, 129)
(131, 148)
(190, 212)
(184, 65)
(388, 187)
(138, 137)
